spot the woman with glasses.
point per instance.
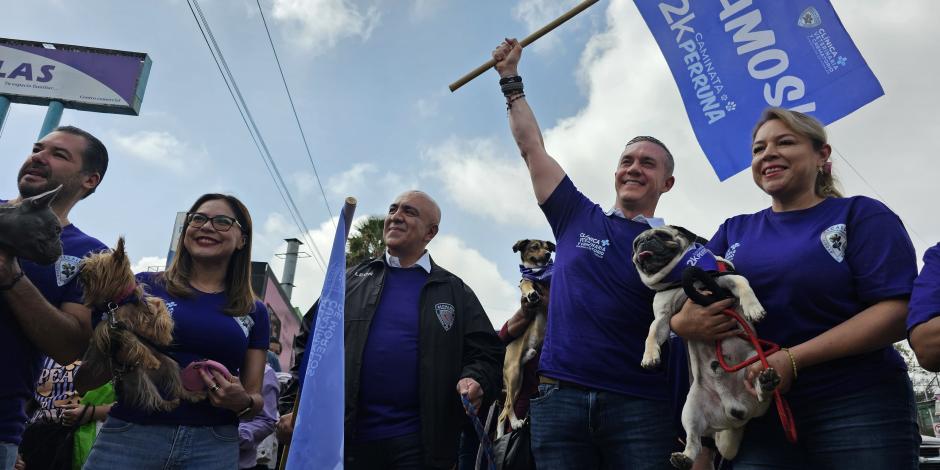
(207, 289)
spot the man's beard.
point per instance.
(70, 187)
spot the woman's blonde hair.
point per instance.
(806, 126)
(241, 298)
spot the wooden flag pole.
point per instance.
(525, 42)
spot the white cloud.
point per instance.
(161, 149)
(149, 263)
(318, 25)
(498, 295)
(483, 179)
(426, 107)
(424, 9)
(353, 179)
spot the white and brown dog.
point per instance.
(536, 273)
(718, 403)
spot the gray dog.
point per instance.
(30, 230)
(718, 403)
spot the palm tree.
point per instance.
(367, 242)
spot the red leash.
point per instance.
(783, 408)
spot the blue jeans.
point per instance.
(7, 455)
(121, 444)
(873, 429)
(573, 428)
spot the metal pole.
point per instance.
(290, 265)
(4, 107)
(53, 116)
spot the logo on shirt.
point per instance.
(170, 306)
(594, 245)
(245, 322)
(834, 239)
(445, 314)
(66, 267)
(809, 18)
(729, 253)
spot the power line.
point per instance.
(253, 131)
(290, 98)
(880, 197)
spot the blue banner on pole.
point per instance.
(731, 59)
(318, 427)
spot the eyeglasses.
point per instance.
(222, 223)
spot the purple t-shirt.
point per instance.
(600, 310)
(202, 330)
(925, 300)
(812, 269)
(388, 390)
(59, 284)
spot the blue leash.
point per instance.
(485, 442)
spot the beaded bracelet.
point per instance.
(510, 99)
(792, 361)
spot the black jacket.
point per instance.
(468, 348)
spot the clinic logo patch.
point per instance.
(594, 245)
(834, 240)
(245, 322)
(66, 267)
(445, 314)
(809, 18)
(729, 253)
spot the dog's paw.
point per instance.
(529, 354)
(752, 310)
(680, 461)
(767, 381)
(651, 359)
(515, 422)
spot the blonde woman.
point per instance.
(834, 274)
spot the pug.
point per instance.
(718, 404)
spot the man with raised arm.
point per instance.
(596, 407)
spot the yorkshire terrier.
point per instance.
(124, 345)
(536, 274)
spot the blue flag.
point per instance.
(733, 58)
(318, 425)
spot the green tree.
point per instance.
(367, 242)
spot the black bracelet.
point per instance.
(512, 79)
(13, 282)
(511, 88)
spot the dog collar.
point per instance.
(540, 274)
(125, 295)
(696, 255)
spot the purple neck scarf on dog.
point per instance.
(539, 274)
(695, 255)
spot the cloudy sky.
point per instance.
(369, 80)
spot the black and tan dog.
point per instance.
(124, 343)
(536, 272)
(718, 402)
